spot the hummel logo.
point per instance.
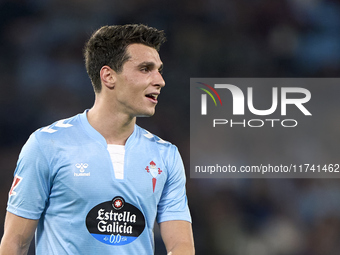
(82, 167)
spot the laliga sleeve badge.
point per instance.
(115, 222)
(16, 181)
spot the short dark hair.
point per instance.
(107, 46)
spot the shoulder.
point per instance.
(44, 141)
(61, 132)
(165, 148)
(149, 137)
(57, 128)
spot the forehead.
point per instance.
(141, 53)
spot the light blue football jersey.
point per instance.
(65, 178)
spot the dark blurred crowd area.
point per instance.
(43, 79)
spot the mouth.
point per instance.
(152, 97)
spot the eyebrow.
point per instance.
(150, 65)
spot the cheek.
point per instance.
(134, 87)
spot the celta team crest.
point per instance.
(155, 172)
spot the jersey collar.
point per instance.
(94, 134)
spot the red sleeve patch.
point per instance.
(16, 181)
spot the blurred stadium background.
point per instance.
(43, 79)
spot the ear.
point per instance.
(107, 77)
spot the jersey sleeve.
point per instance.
(173, 204)
(30, 189)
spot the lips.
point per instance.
(153, 97)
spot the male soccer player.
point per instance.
(95, 183)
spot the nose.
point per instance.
(158, 80)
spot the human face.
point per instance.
(139, 83)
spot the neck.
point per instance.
(115, 127)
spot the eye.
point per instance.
(145, 69)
